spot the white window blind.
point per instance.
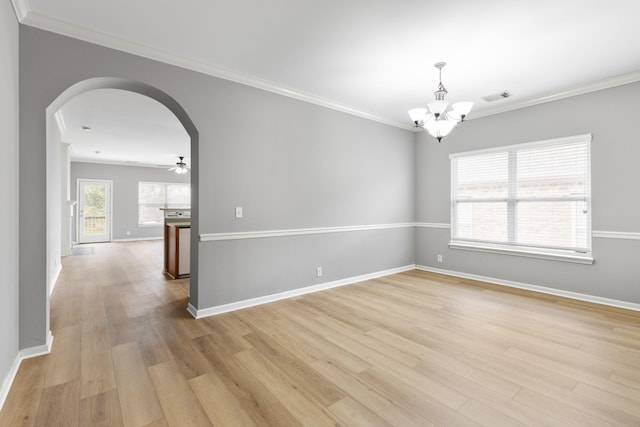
(155, 195)
(533, 197)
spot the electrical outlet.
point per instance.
(238, 211)
(439, 258)
(319, 271)
(128, 233)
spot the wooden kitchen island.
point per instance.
(177, 240)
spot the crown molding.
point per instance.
(42, 22)
(27, 17)
(21, 8)
(607, 83)
(117, 163)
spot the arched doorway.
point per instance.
(53, 167)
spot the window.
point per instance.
(155, 195)
(528, 199)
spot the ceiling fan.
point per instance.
(180, 167)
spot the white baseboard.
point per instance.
(23, 354)
(536, 288)
(225, 308)
(8, 381)
(193, 311)
(212, 311)
(40, 350)
(136, 239)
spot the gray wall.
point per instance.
(8, 189)
(290, 164)
(296, 165)
(610, 115)
(124, 193)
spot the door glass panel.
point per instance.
(94, 210)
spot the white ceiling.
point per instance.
(124, 128)
(373, 58)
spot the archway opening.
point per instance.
(55, 160)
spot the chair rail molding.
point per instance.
(626, 235)
(209, 237)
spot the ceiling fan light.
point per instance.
(180, 167)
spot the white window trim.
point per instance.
(520, 250)
(542, 143)
(567, 256)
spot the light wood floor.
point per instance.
(412, 349)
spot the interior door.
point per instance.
(94, 211)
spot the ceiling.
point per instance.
(372, 58)
(122, 127)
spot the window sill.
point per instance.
(555, 256)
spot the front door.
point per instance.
(94, 211)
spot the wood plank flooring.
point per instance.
(412, 349)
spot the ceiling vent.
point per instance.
(497, 96)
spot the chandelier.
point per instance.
(435, 119)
